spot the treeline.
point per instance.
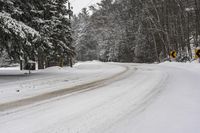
(137, 30)
(36, 30)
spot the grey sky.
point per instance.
(79, 4)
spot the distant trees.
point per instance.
(36, 30)
(141, 30)
(173, 24)
(85, 43)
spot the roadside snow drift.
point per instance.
(16, 84)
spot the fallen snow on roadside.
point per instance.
(15, 84)
(194, 67)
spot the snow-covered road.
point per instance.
(161, 98)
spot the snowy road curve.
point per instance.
(58, 93)
(145, 99)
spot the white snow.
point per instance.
(18, 28)
(154, 98)
(50, 79)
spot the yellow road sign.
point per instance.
(173, 54)
(197, 53)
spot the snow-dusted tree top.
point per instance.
(11, 26)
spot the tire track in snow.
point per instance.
(99, 118)
(50, 95)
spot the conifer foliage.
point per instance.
(37, 30)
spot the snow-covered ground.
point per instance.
(157, 98)
(16, 85)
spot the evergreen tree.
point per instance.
(85, 43)
(57, 32)
(16, 37)
(40, 30)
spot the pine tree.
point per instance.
(16, 37)
(40, 30)
(51, 20)
(85, 43)
(56, 30)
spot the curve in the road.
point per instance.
(62, 92)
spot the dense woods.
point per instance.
(143, 31)
(137, 30)
(36, 30)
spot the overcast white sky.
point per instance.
(79, 4)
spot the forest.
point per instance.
(143, 31)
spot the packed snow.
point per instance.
(18, 28)
(148, 98)
(16, 85)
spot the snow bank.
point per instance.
(17, 84)
(195, 67)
